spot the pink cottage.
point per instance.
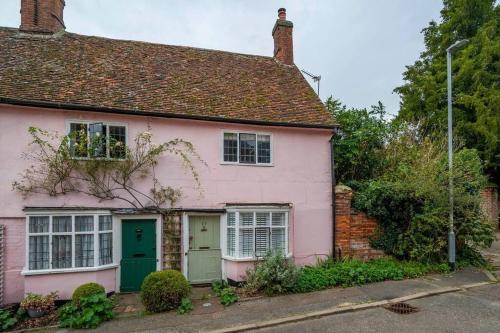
(264, 134)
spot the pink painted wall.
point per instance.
(300, 174)
(15, 231)
(66, 283)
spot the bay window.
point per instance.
(246, 148)
(251, 234)
(69, 241)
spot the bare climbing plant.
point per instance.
(56, 171)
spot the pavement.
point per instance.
(345, 302)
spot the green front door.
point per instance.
(138, 253)
(204, 255)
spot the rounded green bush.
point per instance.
(162, 291)
(87, 289)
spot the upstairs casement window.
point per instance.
(251, 234)
(97, 140)
(58, 242)
(247, 148)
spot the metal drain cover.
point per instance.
(401, 308)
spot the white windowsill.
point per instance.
(68, 270)
(248, 164)
(248, 259)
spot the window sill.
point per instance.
(68, 270)
(248, 259)
(248, 164)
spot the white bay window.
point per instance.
(251, 234)
(69, 241)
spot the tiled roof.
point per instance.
(152, 78)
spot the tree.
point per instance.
(359, 140)
(55, 171)
(476, 81)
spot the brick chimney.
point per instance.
(42, 16)
(283, 41)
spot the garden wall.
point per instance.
(489, 204)
(353, 229)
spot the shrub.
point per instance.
(38, 302)
(164, 290)
(228, 296)
(87, 289)
(354, 272)
(185, 306)
(275, 274)
(7, 320)
(89, 313)
(218, 286)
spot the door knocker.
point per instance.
(138, 234)
(204, 226)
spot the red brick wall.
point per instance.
(489, 204)
(353, 230)
(43, 16)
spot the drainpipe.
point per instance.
(334, 221)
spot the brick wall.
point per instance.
(353, 230)
(489, 204)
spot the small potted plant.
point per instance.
(37, 305)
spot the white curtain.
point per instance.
(38, 252)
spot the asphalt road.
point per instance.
(476, 310)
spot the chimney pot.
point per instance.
(282, 13)
(283, 41)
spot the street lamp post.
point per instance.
(451, 233)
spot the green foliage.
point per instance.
(273, 275)
(476, 79)
(185, 306)
(219, 285)
(87, 289)
(228, 296)
(89, 313)
(410, 200)
(39, 302)
(8, 319)
(354, 272)
(359, 142)
(162, 291)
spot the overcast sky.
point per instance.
(359, 47)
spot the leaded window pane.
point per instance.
(38, 224)
(117, 140)
(105, 222)
(84, 223)
(105, 248)
(247, 148)
(246, 242)
(264, 148)
(98, 139)
(38, 252)
(61, 224)
(84, 250)
(230, 147)
(78, 139)
(61, 251)
(262, 219)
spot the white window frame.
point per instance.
(105, 123)
(254, 210)
(271, 149)
(73, 233)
